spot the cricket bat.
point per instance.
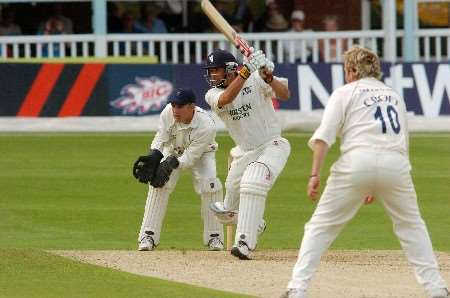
(223, 26)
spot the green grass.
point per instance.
(76, 191)
(39, 274)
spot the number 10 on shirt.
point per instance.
(392, 116)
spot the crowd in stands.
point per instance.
(166, 17)
(154, 17)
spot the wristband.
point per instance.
(244, 72)
(316, 175)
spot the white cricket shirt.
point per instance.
(250, 118)
(365, 114)
(186, 141)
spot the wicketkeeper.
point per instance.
(185, 140)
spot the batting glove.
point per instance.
(266, 72)
(258, 59)
(255, 61)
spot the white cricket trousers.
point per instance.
(356, 174)
(204, 177)
(251, 176)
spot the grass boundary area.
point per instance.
(36, 273)
(150, 133)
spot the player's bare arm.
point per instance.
(281, 90)
(320, 152)
(255, 61)
(231, 91)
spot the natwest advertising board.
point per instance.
(58, 90)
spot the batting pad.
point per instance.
(255, 184)
(155, 210)
(211, 191)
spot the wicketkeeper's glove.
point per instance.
(164, 170)
(145, 166)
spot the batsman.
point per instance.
(185, 140)
(243, 100)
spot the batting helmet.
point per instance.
(220, 59)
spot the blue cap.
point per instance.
(182, 96)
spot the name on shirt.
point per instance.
(241, 112)
(373, 100)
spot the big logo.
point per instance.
(147, 96)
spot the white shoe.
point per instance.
(241, 250)
(440, 293)
(294, 293)
(215, 244)
(147, 243)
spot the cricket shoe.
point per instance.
(146, 243)
(215, 243)
(440, 293)
(241, 250)
(294, 293)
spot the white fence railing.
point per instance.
(433, 44)
(51, 46)
(281, 47)
(290, 47)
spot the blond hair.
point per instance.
(363, 62)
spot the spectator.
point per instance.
(52, 26)
(171, 14)
(237, 25)
(243, 15)
(129, 25)
(8, 27)
(150, 23)
(331, 24)
(272, 20)
(236, 12)
(224, 8)
(114, 18)
(298, 26)
(65, 25)
(7, 24)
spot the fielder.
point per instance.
(243, 100)
(370, 118)
(185, 140)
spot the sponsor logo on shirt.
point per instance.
(246, 90)
(178, 150)
(241, 112)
